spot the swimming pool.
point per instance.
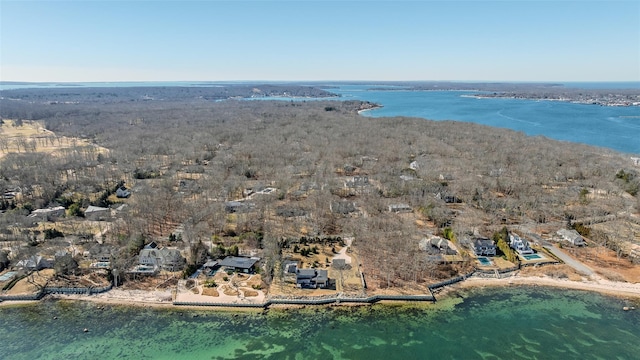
(533, 257)
(8, 276)
(484, 261)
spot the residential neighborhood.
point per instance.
(234, 220)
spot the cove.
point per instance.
(616, 128)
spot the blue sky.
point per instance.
(319, 40)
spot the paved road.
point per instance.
(580, 267)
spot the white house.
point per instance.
(519, 244)
(571, 236)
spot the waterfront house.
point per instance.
(102, 253)
(312, 278)
(97, 213)
(484, 247)
(520, 245)
(245, 265)
(165, 258)
(571, 236)
(172, 260)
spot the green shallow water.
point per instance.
(510, 323)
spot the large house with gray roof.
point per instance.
(484, 247)
(312, 278)
(245, 265)
(164, 258)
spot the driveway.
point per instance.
(577, 265)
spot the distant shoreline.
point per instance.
(609, 288)
(376, 106)
(601, 102)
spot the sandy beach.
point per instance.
(607, 287)
(162, 299)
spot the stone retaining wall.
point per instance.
(322, 301)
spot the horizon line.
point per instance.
(294, 81)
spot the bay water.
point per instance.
(613, 127)
(498, 323)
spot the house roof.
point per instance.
(92, 208)
(123, 192)
(323, 275)
(237, 206)
(149, 253)
(164, 255)
(484, 242)
(399, 207)
(151, 245)
(170, 254)
(238, 262)
(568, 233)
(32, 262)
(342, 207)
(319, 275)
(48, 210)
(306, 273)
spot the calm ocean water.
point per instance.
(617, 128)
(508, 323)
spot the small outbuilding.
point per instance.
(123, 192)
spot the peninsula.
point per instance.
(528, 91)
(196, 196)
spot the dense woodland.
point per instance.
(184, 154)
